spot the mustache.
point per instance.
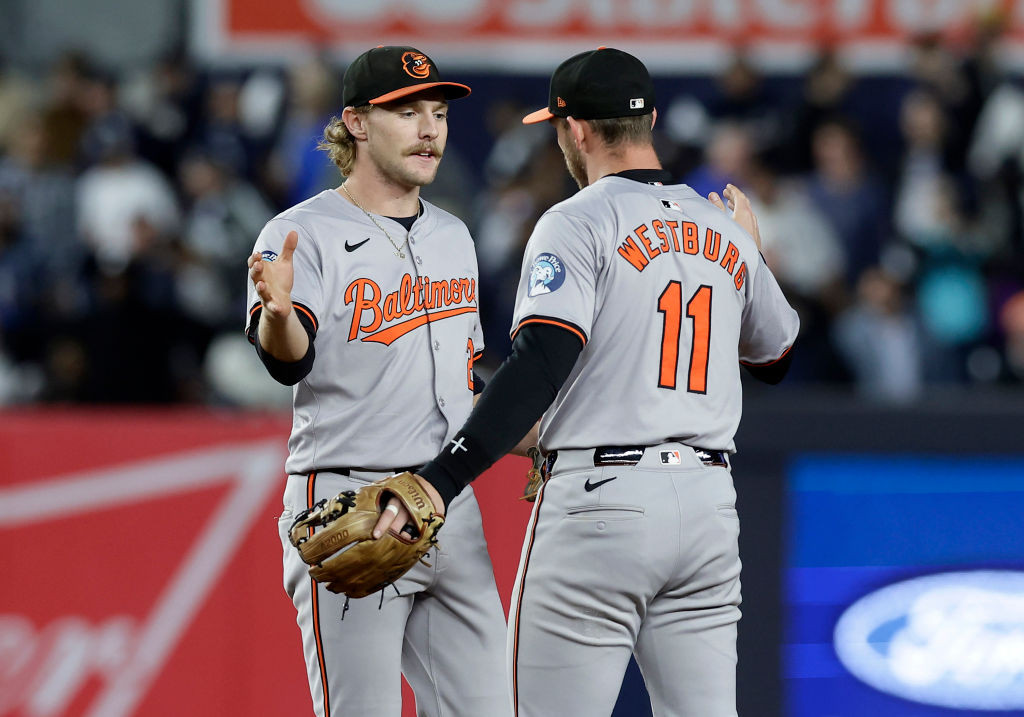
(428, 147)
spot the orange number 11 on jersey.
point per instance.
(698, 308)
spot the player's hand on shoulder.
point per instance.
(738, 206)
(395, 516)
(273, 278)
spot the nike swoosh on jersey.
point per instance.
(588, 486)
(353, 247)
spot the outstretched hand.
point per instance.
(740, 209)
(273, 279)
(395, 517)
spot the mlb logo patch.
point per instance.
(637, 103)
(669, 204)
(670, 458)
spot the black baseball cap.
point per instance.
(388, 73)
(598, 84)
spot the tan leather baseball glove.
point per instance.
(534, 478)
(335, 537)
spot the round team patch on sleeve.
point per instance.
(546, 274)
(268, 255)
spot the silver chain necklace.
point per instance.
(398, 249)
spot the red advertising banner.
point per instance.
(527, 35)
(141, 564)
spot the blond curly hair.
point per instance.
(339, 143)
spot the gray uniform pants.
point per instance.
(445, 632)
(647, 564)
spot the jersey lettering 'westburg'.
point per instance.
(669, 296)
(380, 320)
(689, 234)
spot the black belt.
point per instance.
(349, 471)
(631, 455)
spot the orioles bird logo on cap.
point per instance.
(416, 64)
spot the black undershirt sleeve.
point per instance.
(771, 372)
(287, 372)
(517, 395)
(478, 384)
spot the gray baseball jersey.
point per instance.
(669, 295)
(390, 383)
(372, 396)
(632, 546)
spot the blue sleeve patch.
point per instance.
(546, 274)
(268, 255)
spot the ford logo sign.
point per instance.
(951, 639)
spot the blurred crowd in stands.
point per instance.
(892, 213)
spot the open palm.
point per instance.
(273, 279)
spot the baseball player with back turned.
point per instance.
(364, 298)
(637, 304)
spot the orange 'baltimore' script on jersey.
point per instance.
(676, 236)
(421, 299)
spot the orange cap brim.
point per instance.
(539, 116)
(459, 91)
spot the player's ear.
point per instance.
(576, 131)
(654, 118)
(355, 122)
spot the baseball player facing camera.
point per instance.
(638, 302)
(364, 299)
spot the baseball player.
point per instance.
(364, 298)
(638, 302)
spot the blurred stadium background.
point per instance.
(144, 144)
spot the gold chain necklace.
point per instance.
(398, 249)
